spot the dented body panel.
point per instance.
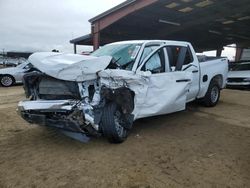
(146, 86)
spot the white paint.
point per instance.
(155, 94)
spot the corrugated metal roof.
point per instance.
(207, 25)
(124, 4)
(80, 39)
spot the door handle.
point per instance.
(195, 71)
(183, 80)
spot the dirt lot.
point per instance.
(200, 147)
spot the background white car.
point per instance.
(13, 75)
(12, 62)
(239, 76)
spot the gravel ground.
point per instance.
(199, 147)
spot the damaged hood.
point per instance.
(70, 67)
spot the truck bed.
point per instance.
(210, 68)
(204, 58)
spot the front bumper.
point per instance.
(45, 121)
(67, 128)
(36, 112)
(46, 105)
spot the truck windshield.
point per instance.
(242, 67)
(124, 54)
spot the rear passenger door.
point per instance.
(167, 90)
(181, 59)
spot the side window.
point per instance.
(179, 56)
(147, 50)
(156, 63)
(173, 53)
(189, 57)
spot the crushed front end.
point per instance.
(75, 108)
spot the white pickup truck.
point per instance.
(104, 93)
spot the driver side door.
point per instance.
(167, 90)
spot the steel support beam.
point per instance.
(219, 52)
(107, 20)
(239, 52)
(75, 51)
(96, 34)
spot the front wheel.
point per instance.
(213, 95)
(7, 80)
(112, 124)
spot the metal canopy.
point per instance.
(83, 40)
(207, 24)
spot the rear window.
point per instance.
(173, 54)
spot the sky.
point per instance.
(44, 25)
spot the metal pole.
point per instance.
(219, 52)
(75, 51)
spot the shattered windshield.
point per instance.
(124, 54)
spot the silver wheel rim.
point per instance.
(119, 128)
(214, 94)
(6, 81)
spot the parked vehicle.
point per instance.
(13, 75)
(103, 94)
(12, 62)
(239, 76)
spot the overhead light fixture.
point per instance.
(231, 46)
(215, 32)
(237, 15)
(220, 20)
(172, 5)
(244, 18)
(170, 23)
(186, 1)
(228, 22)
(185, 10)
(239, 36)
(204, 3)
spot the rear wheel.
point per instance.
(112, 124)
(213, 94)
(7, 80)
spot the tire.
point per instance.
(213, 95)
(111, 127)
(7, 80)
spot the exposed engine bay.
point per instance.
(73, 106)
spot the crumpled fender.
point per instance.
(123, 97)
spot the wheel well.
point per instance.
(14, 80)
(218, 79)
